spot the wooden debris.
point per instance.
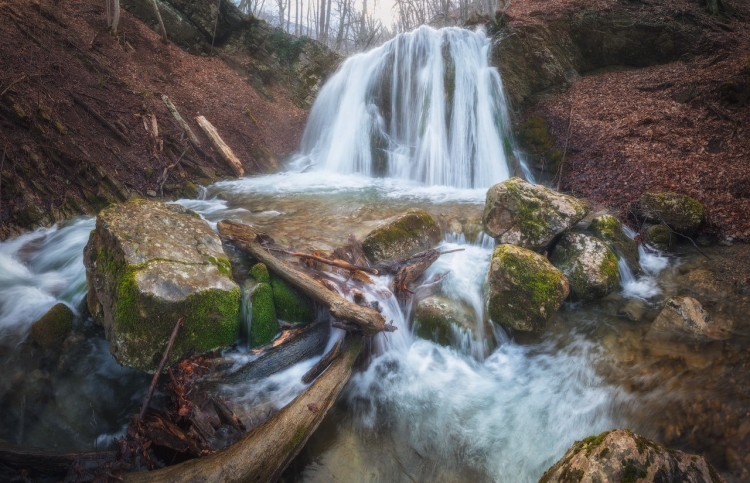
(180, 120)
(243, 237)
(323, 363)
(101, 119)
(160, 368)
(226, 152)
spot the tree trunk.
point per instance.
(242, 236)
(225, 151)
(161, 22)
(115, 16)
(263, 454)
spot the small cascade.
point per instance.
(425, 106)
(645, 286)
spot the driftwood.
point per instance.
(409, 269)
(246, 239)
(225, 151)
(323, 363)
(180, 120)
(263, 454)
(160, 368)
(334, 263)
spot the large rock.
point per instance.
(684, 318)
(608, 229)
(291, 305)
(528, 215)
(658, 236)
(621, 456)
(50, 331)
(147, 265)
(591, 267)
(437, 318)
(681, 213)
(525, 290)
(403, 236)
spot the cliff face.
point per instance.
(642, 96)
(82, 118)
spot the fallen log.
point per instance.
(43, 462)
(411, 271)
(334, 263)
(122, 137)
(225, 151)
(180, 120)
(323, 363)
(246, 239)
(263, 454)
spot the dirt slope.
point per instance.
(60, 160)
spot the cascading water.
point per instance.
(426, 106)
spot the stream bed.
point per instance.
(416, 411)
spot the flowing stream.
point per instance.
(418, 122)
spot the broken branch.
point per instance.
(160, 368)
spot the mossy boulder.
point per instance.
(291, 305)
(525, 290)
(658, 236)
(591, 267)
(539, 144)
(621, 456)
(259, 271)
(608, 229)
(441, 320)
(147, 265)
(264, 323)
(684, 318)
(529, 215)
(52, 328)
(681, 213)
(402, 236)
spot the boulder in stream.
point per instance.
(439, 319)
(621, 456)
(608, 229)
(529, 215)
(591, 267)
(525, 289)
(658, 236)
(147, 265)
(685, 318)
(50, 331)
(681, 213)
(402, 236)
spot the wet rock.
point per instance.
(591, 267)
(403, 236)
(525, 289)
(681, 213)
(50, 331)
(147, 265)
(621, 456)
(528, 215)
(436, 318)
(608, 229)
(264, 323)
(539, 144)
(634, 310)
(291, 305)
(658, 236)
(684, 317)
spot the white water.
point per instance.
(644, 286)
(425, 106)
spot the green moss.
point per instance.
(265, 323)
(604, 453)
(286, 47)
(259, 272)
(659, 236)
(632, 471)
(409, 233)
(536, 140)
(52, 328)
(222, 264)
(291, 306)
(593, 441)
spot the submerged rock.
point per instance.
(525, 290)
(621, 456)
(435, 318)
(403, 236)
(684, 317)
(681, 213)
(529, 215)
(50, 331)
(608, 229)
(591, 267)
(147, 265)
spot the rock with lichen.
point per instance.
(147, 265)
(608, 229)
(445, 321)
(525, 289)
(529, 215)
(402, 236)
(50, 331)
(681, 213)
(685, 318)
(621, 456)
(658, 236)
(591, 267)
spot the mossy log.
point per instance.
(246, 239)
(263, 454)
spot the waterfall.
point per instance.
(425, 106)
